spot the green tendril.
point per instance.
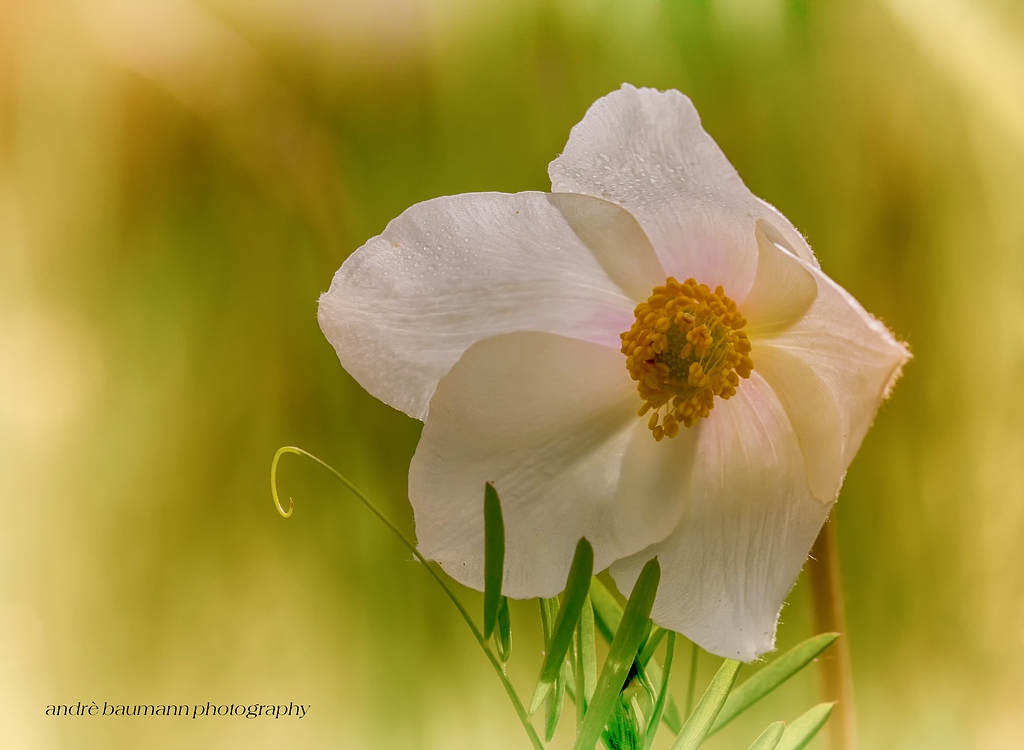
(499, 670)
(273, 480)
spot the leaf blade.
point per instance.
(769, 739)
(556, 697)
(623, 652)
(607, 615)
(699, 723)
(503, 631)
(607, 610)
(588, 651)
(494, 557)
(653, 641)
(771, 676)
(659, 705)
(577, 586)
(799, 733)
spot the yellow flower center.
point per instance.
(686, 347)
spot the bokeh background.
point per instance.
(179, 180)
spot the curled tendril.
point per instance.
(524, 717)
(273, 479)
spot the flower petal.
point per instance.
(546, 418)
(454, 270)
(747, 525)
(831, 370)
(617, 241)
(646, 151)
(783, 288)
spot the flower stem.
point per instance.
(834, 664)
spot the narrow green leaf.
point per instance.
(699, 724)
(621, 655)
(503, 633)
(769, 738)
(607, 615)
(799, 734)
(651, 644)
(580, 691)
(556, 696)
(576, 588)
(588, 652)
(494, 557)
(671, 717)
(771, 676)
(548, 615)
(554, 702)
(607, 610)
(621, 734)
(659, 705)
(691, 685)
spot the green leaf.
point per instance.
(607, 610)
(554, 702)
(548, 615)
(802, 731)
(621, 655)
(652, 643)
(771, 676)
(587, 656)
(607, 615)
(556, 697)
(671, 715)
(494, 557)
(769, 738)
(699, 724)
(659, 705)
(576, 588)
(625, 727)
(644, 680)
(503, 634)
(691, 685)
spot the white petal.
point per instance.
(784, 289)
(831, 371)
(747, 524)
(547, 419)
(617, 241)
(454, 270)
(648, 495)
(646, 151)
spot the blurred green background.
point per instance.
(180, 179)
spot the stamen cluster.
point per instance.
(685, 348)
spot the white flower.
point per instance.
(505, 323)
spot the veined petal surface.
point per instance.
(454, 270)
(646, 151)
(547, 419)
(748, 521)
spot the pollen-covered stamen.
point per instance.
(686, 347)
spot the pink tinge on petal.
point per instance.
(646, 151)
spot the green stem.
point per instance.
(691, 689)
(517, 704)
